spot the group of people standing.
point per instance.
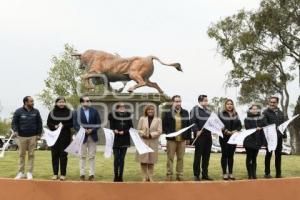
(232, 123)
(27, 125)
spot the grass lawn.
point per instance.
(104, 167)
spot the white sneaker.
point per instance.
(29, 176)
(20, 175)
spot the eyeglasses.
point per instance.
(273, 102)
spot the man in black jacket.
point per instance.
(273, 115)
(174, 120)
(203, 140)
(27, 126)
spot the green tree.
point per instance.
(64, 79)
(4, 124)
(263, 47)
(217, 104)
(295, 128)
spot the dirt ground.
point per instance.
(275, 189)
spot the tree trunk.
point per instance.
(287, 102)
(294, 129)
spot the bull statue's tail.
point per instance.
(176, 65)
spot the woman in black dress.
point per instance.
(232, 124)
(253, 142)
(120, 122)
(60, 114)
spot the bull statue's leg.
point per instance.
(85, 80)
(154, 85)
(131, 89)
(88, 82)
(139, 80)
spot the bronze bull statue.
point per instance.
(115, 68)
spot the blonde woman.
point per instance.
(150, 128)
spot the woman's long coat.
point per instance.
(155, 131)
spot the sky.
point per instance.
(32, 31)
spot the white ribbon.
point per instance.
(109, 142)
(6, 145)
(51, 136)
(75, 147)
(140, 146)
(175, 134)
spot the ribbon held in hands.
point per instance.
(140, 146)
(6, 145)
(175, 134)
(51, 136)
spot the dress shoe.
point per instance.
(91, 178)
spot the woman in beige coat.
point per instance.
(150, 128)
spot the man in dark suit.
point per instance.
(88, 118)
(273, 115)
(176, 119)
(203, 140)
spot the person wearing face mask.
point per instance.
(150, 128)
(88, 118)
(120, 122)
(203, 140)
(232, 124)
(27, 126)
(61, 114)
(273, 115)
(174, 120)
(253, 142)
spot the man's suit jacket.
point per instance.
(94, 122)
(169, 123)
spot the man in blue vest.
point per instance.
(27, 126)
